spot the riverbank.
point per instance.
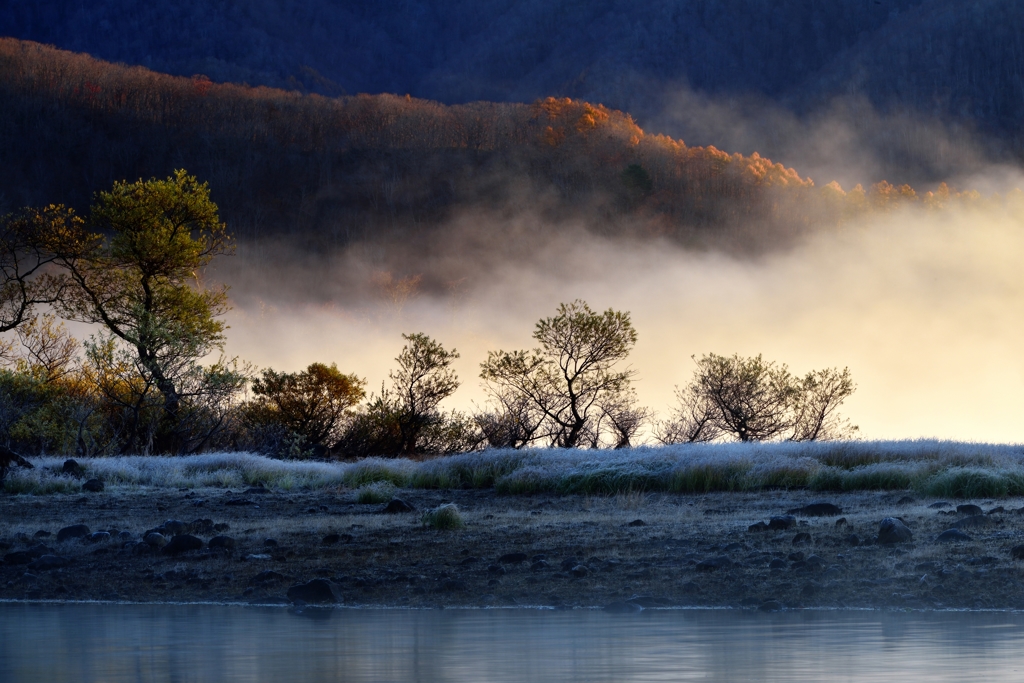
(626, 551)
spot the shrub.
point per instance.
(377, 492)
(444, 518)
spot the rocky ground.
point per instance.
(623, 552)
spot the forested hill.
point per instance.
(957, 60)
(395, 172)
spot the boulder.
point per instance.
(777, 563)
(851, 540)
(1017, 552)
(73, 531)
(315, 591)
(972, 522)
(222, 543)
(93, 486)
(201, 526)
(938, 505)
(172, 527)
(757, 526)
(72, 468)
(512, 558)
(637, 522)
(397, 505)
(892, 530)
(182, 543)
(98, 537)
(579, 571)
(968, 509)
(783, 522)
(817, 510)
(952, 536)
(802, 538)
(155, 539)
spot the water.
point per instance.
(196, 643)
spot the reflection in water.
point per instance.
(113, 643)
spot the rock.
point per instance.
(173, 527)
(996, 510)
(817, 510)
(758, 526)
(814, 562)
(222, 543)
(268, 576)
(852, 540)
(569, 562)
(253, 557)
(713, 563)
(330, 539)
(770, 606)
(1017, 552)
(142, 548)
(452, 585)
(18, 557)
(98, 537)
(649, 601)
(270, 543)
(579, 571)
(622, 607)
(72, 468)
(219, 528)
(539, 565)
(538, 557)
(41, 534)
(841, 522)
(155, 539)
(315, 591)
(47, 562)
(201, 526)
(784, 522)
(74, 531)
(972, 522)
(952, 536)
(512, 558)
(182, 543)
(906, 500)
(777, 564)
(398, 505)
(795, 557)
(472, 559)
(802, 538)
(637, 522)
(238, 502)
(93, 486)
(892, 530)
(496, 569)
(124, 536)
(969, 509)
(257, 490)
(939, 505)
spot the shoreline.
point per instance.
(623, 552)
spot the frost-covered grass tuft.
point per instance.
(377, 492)
(937, 468)
(444, 517)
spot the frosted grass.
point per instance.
(936, 468)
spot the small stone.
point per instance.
(173, 527)
(758, 526)
(841, 522)
(968, 509)
(124, 536)
(182, 543)
(142, 548)
(222, 543)
(637, 522)
(906, 500)
(512, 558)
(952, 536)
(331, 539)
(802, 538)
(48, 562)
(892, 530)
(938, 505)
(257, 490)
(201, 526)
(315, 591)
(569, 562)
(397, 505)
(496, 569)
(18, 557)
(795, 557)
(270, 543)
(713, 563)
(539, 565)
(453, 585)
(996, 510)
(777, 564)
(98, 537)
(817, 510)
(93, 486)
(851, 540)
(42, 534)
(770, 606)
(579, 571)
(268, 576)
(74, 531)
(783, 522)
(222, 527)
(538, 557)
(1017, 552)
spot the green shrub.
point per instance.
(444, 518)
(377, 492)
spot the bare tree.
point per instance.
(571, 378)
(694, 419)
(751, 396)
(820, 394)
(27, 241)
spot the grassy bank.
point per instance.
(933, 468)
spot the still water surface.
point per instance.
(114, 643)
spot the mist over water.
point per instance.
(924, 307)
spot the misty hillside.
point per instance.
(957, 60)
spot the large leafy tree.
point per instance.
(138, 274)
(571, 382)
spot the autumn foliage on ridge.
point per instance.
(329, 172)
